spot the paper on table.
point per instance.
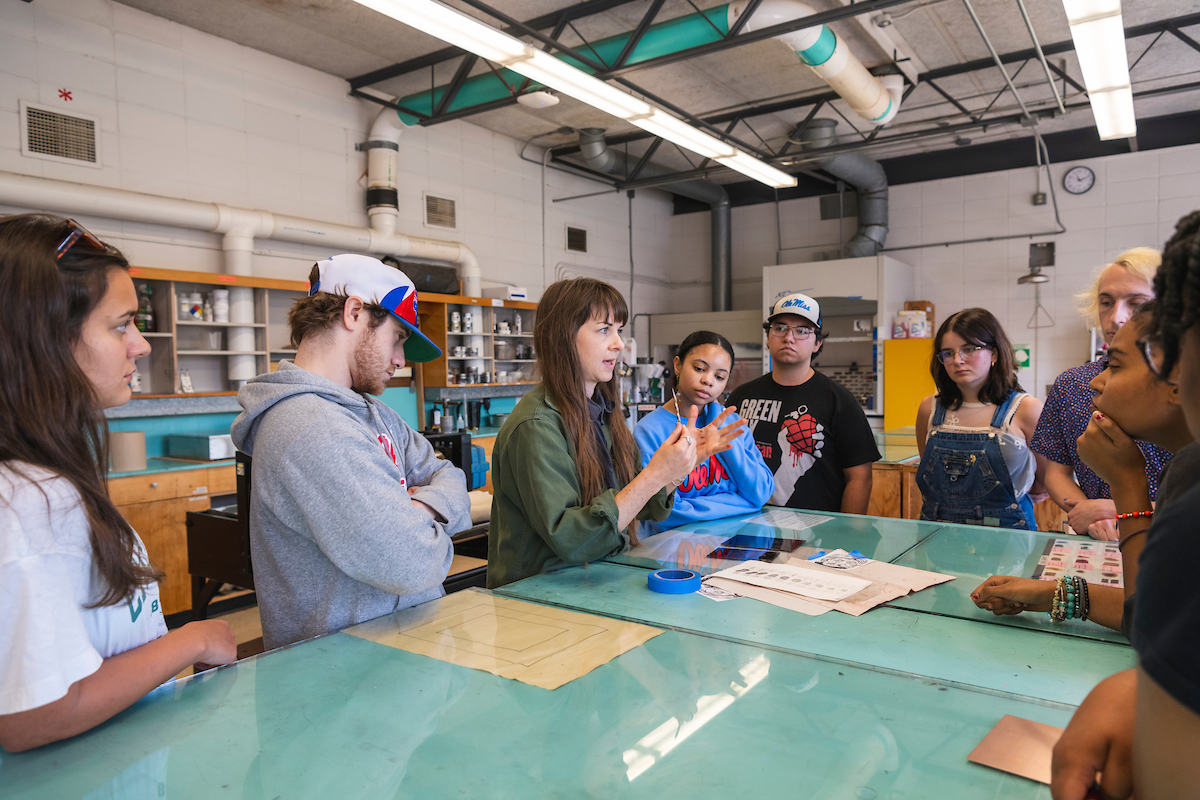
(822, 585)
(788, 519)
(888, 582)
(792, 602)
(1019, 746)
(534, 644)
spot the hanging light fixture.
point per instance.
(1099, 38)
(466, 32)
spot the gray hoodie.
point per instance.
(334, 536)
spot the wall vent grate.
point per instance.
(576, 239)
(60, 135)
(441, 212)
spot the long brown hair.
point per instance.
(976, 326)
(50, 416)
(565, 307)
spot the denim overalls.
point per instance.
(963, 476)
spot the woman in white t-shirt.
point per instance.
(82, 634)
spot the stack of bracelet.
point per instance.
(1071, 599)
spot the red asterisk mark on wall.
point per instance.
(63, 94)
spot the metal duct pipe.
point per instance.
(600, 157)
(866, 176)
(873, 99)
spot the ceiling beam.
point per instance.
(1059, 47)
(562, 16)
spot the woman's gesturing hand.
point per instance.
(712, 438)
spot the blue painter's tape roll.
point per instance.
(674, 581)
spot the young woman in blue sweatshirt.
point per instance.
(733, 482)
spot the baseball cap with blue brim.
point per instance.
(799, 304)
(374, 282)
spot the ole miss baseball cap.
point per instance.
(372, 281)
(799, 304)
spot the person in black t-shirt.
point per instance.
(811, 431)
(1140, 729)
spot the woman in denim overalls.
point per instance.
(976, 464)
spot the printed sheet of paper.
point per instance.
(826, 584)
(840, 559)
(788, 519)
(888, 582)
(1018, 746)
(1098, 563)
(792, 602)
(534, 644)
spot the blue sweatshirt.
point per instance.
(734, 482)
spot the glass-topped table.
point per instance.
(898, 445)
(681, 716)
(973, 554)
(879, 538)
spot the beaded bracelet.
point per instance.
(1071, 600)
(1135, 514)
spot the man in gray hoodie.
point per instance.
(350, 511)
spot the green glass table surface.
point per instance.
(680, 716)
(1028, 663)
(880, 538)
(973, 554)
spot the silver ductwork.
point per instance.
(600, 157)
(866, 176)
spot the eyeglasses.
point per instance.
(78, 232)
(801, 332)
(967, 351)
(1146, 348)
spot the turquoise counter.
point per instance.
(171, 465)
(681, 716)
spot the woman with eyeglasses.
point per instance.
(84, 635)
(1132, 403)
(976, 464)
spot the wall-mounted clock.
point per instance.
(1078, 180)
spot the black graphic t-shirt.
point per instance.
(807, 434)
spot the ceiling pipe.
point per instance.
(817, 46)
(829, 57)
(241, 226)
(600, 157)
(867, 177)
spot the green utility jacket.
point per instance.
(537, 521)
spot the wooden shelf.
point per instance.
(196, 324)
(156, 335)
(183, 394)
(516, 360)
(468, 333)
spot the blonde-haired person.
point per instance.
(1119, 290)
(567, 483)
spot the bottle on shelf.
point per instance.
(145, 314)
(518, 316)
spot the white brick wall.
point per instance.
(186, 114)
(1136, 201)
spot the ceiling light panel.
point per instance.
(1098, 32)
(472, 35)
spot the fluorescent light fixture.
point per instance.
(455, 28)
(676, 130)
(758, 170)
(1100, 48)
(474, 36)
(1083, 10)
(1113, 111)
(1098, 32)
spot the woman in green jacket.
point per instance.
(565, 478)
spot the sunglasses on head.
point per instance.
(78, 232)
